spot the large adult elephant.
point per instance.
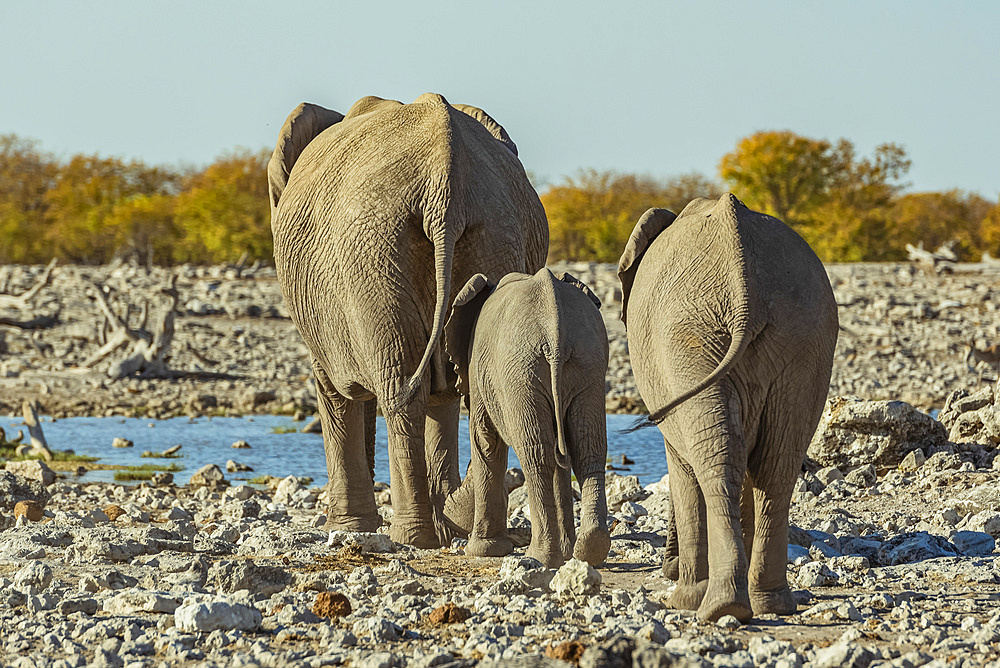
(732, 325)
(375, 215)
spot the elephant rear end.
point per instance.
(731, 324)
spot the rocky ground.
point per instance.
(892, 555)
(892, 559)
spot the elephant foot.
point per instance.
(724, 599)
(672, 568)
(688, 596)
(550, 558)
(489, 547)
(418, 535)
(592, 545)
(778, 602)
(366, 523)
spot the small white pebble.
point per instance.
(728, 622)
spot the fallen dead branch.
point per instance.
(23, 299)
(38, 442)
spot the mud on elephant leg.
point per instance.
(488, 537)
(413, 516)
(344, 439)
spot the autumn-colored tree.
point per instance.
(783, 174)
(836, 200)
(26, 174)
(83, 196)
(591, 215)
(989, 231)
(223, 210)
(143, 228)
(935, 218)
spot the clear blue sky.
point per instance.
(660, 88)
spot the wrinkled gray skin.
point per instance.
(731, 326)
(531, 354)
(375, 215)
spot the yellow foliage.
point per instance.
(591, 215)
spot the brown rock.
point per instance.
(449, 613)
(30, 509)
(331, 604)
(568, 651)
(114, 512)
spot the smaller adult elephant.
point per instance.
(531, 354)
(732, 326)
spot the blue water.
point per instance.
(209, 441)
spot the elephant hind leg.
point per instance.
(773, 467)
(352, 507)
(671, 558)
(413, 516)
(688, 506)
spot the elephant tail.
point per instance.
(553, 354)
(443, 238)
(562, 454)
(741, 338)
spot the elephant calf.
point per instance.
(732, 325)
(531, 354)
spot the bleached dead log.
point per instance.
(38, 443)
(946, 251)
(116, 330)
(147, 356)
(23, 299)
(942, 260)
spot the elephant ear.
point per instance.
(648, 228)
(487, 122)
(567, 277)
(301, 127)
(461, 324)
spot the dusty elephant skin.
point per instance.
(375, 214)
(531, 354)
(732, 325)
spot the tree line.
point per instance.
(849, 208)
(92, 209)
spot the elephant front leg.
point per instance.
(352, 505)
(486, 471)
(412, 511)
